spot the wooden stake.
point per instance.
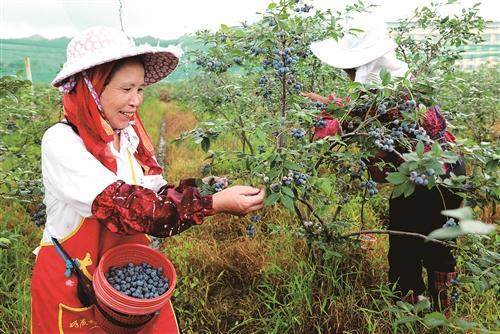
(27, 68)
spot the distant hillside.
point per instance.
(48, 55)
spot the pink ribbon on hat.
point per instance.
(68, 85)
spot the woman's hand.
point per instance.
(238, 200)
(316, 97)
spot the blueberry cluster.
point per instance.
(300, 178)
(238, 60)
(385, 144)
(356, 172)
(320, 106)
(343, 169)
(275, 187)
(262, 80)
(371, 187)
(211, 64)
(39, 216)
(417, 131)
(223, 38)
(419, 180)
(250, 230)
(382, 142)
(267, 94)
(255, 218)
(304, 9)
(287, 180)
(450, 223)
(422, 135)
(361, 109)
(298, 133)
(218, 186)
(320, 123)
(140, 281)
(297, 87)
(255, 50)
(382, 108)
(206, 169)
(284, 61)
(407, 106)
(396, 133)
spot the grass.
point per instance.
(16, 264)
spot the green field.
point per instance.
(48, 55)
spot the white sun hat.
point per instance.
(356, 48)
(99, 45)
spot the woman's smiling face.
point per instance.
(123, 95)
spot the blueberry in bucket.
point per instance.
(141, 281)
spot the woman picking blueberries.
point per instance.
(363, 57)
(103, 185)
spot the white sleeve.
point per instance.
(70, 172)
(153, 182)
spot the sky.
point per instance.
(169, 19)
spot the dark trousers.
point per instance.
(419, 213)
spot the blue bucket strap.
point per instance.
(68, 261)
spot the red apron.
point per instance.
(55, 307)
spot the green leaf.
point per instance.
(405, 306)
(422, 305)
(287, 202)
(449, 157)
(464, 213)
(4, 243)
(463, 324)
(408, 319)
(385, 75)
(291, 165)
(398, 190)
(205, 144)
(435, 319)
(287, 191)
(271, 6)
(396, 178)
(324, 184)
(420, 148)
(409, 189)
(436, 148)
(271, 199)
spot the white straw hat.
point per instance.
(99, 45)
(355, 50)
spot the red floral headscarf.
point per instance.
(81, 110)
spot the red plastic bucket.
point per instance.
(121, 307)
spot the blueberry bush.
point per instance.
(252, 80)
(357, 146)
